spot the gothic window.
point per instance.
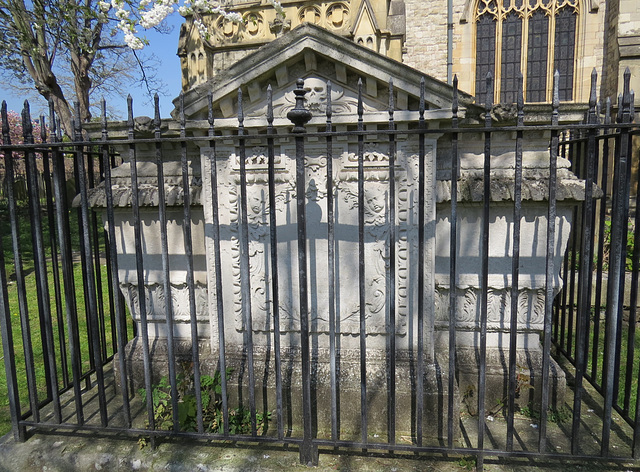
(534, 37)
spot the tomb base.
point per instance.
(348, 401)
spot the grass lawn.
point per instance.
(60, 330)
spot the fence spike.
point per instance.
(103, 108)
(329, 110)
(130, 112)
(5, 123)
(360, 106)
(53, 120)
(27, 125)
(156, 112)
(240, 108)
(620, 105)
(421, 107)
(520, 99)
(607, 112)
(43, 129)
(59, 128)
(593, 94)
(210, 117)
(488, 104)
(269, 105)
(454, 103)
(556, 89)
(627, 81)
(182, 116)
(391, 101)
(78, 120)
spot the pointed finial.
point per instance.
(299, 116)
(156, 110)
(391, 101)
(269, 105)
(329, 110)
(129, 111)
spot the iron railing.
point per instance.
(59, 363)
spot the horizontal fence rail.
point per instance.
(76, 266)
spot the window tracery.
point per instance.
(534, 37)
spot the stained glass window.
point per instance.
(537, 48)
(485, 53)
(565, 42)
(511, 52)
(534, 37)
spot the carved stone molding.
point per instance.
(156, 298)
(531, 303)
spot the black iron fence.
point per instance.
(67, 333)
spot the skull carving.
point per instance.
(316, 96)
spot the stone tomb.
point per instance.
(318, 56)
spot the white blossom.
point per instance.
(153, 17)
(133, 41)
(152, 12)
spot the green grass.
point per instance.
(625, 350)
(34, 319)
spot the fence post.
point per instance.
(586, 260)
(616, 263)
(19, 432)
(299, 116)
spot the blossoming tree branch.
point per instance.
(69, 50)
(149, 14)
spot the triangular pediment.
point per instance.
(344, 100)
(318, 56)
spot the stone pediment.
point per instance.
(344, 100)
(318, 56)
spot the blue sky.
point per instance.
(164, 46)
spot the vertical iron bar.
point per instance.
(166, 274)
(121, 326)
(218, 270)
(188, 249)
(89, 273)
(420, 314)
(549, 267)
(331, 264)
(586, 258)
(96, 260)
(23, 307)
(245, 265)
(567, 290)
(13, 394)
(299, 116)
(391, 327)
(604, 185)
(273, 227)
(142, 297)
(361, 271)
(482, 371)
(515, 267)
(54, 254)
(453, 254)
(616, 261)
(44, 299)
(66, 254)
(574, 308)
(633, 301)
(621, 291)
(77, 155)
(103, 160)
